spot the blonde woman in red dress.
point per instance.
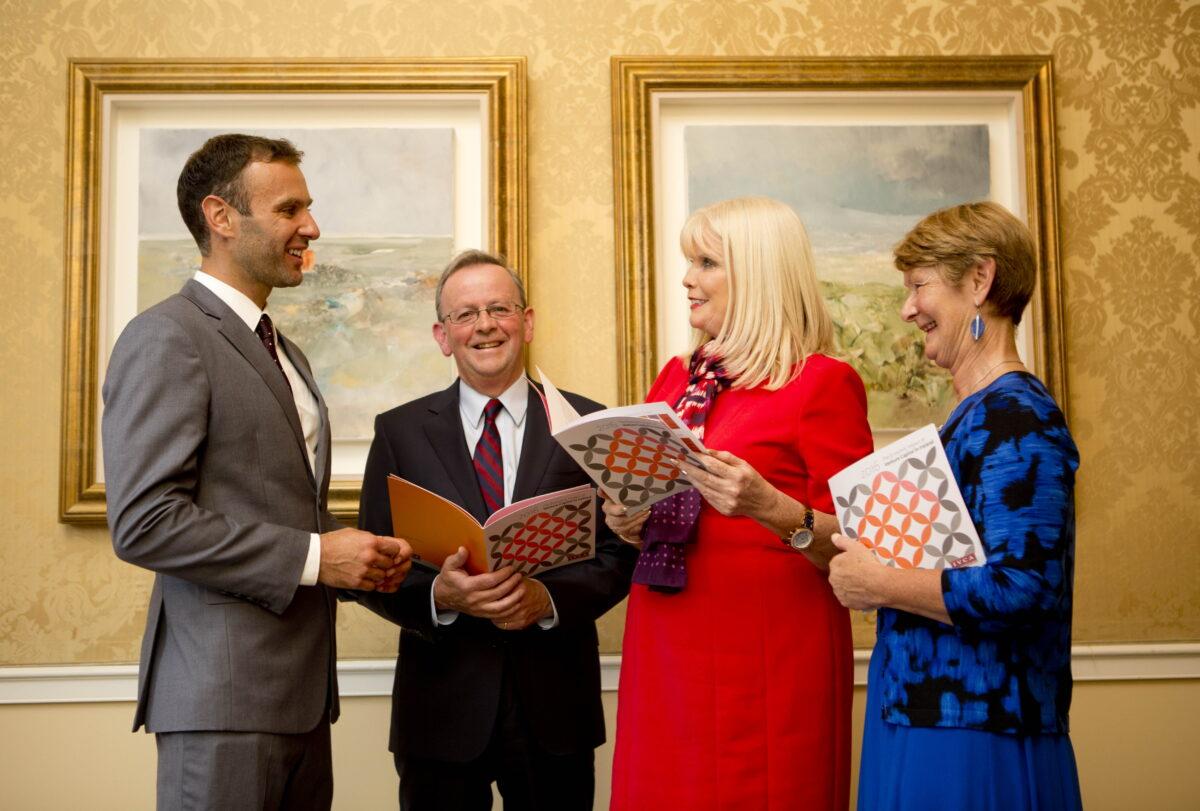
(736, 672)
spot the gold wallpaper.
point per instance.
(1128, 84)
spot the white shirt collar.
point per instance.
(233, 298)
(515, 400)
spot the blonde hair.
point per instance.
(958, 238)
(774, 316)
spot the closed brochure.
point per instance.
(533, 536)
(630, 452)
(903, 503)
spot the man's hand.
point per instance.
(531, 602)
(484, 595)
(401, 563)
(354, 559)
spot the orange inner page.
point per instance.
(435, 527)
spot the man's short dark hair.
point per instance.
(216, 169)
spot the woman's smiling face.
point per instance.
(939, 309)
(707, 285)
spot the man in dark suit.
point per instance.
(216, 460)
(498, 674)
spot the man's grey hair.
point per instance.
(471, 258)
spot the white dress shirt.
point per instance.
(306, 401)
(510, 423)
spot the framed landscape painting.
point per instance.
(407, 163)
(861, 149)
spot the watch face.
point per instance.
(801, 539)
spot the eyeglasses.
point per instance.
(469, 315)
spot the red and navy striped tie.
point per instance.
(489, 463)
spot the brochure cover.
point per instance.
(903, 503)
(532, 536)
(628, 451)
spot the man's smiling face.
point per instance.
(268, 250)
(488, 353)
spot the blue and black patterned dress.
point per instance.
(974, 715)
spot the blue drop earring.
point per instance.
(977, 325)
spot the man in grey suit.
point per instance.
(216, 460)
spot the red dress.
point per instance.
(735, 693)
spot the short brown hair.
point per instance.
(470, 258)
(958, 238)
(216, 168)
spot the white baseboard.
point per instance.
(373, 677)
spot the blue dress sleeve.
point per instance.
(1015, 462)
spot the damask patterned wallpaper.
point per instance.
(1128, 84)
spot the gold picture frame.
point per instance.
(492, 89)
(649, 93)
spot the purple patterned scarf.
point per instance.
(672, 521)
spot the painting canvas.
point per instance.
(858, 189)
(383, 199)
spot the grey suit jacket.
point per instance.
(210, 487)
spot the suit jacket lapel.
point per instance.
(323, 432)
(537, 446)
(250, 347)
(445, 433)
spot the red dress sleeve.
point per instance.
(834, 431)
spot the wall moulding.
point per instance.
(373, 677)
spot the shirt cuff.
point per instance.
(546, 623)
(439, 617)
(312, 564)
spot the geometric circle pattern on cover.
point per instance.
(635, 463)
(547, 538)
(906, 519)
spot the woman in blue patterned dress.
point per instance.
(970, 680)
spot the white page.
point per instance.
(558, 410)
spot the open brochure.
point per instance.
(903, 503)
(628, 451)
(533, 536)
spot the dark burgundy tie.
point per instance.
(266, 334)
(489, 462)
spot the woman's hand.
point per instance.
(628, 527)
(861, 582)
(731, 485)
(857, 578)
